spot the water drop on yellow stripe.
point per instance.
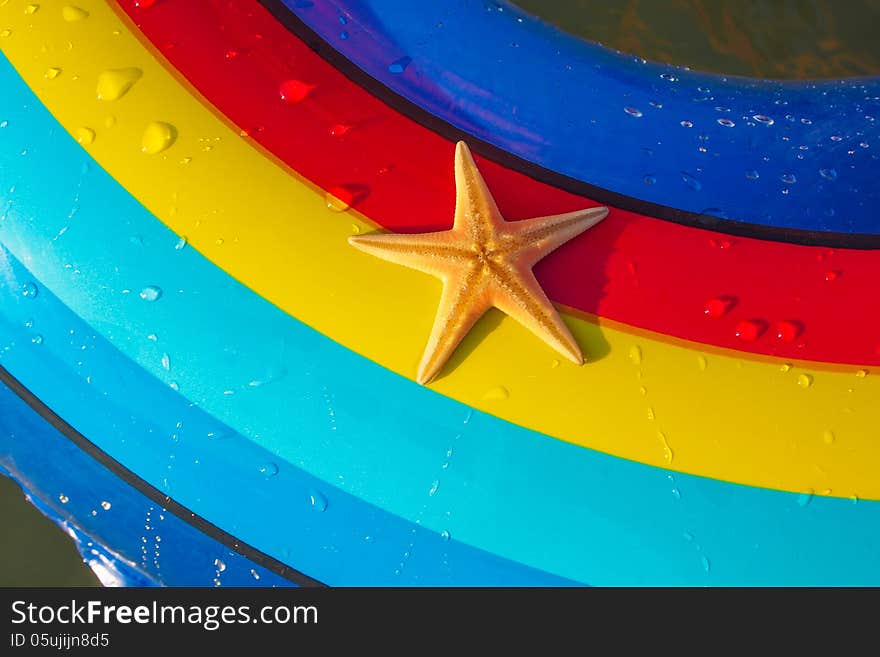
(53, 73)
(114, 83)
(158, 136)
(5, 33)
(635, 355)
(498, 393)
(84, 135)
(805, 380)
(71, 14)
(31, 9)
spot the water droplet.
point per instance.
(691, 181)
(269, 470)
(181, 243)
(158, 136)
(785, 367)
(114, 83)
(806, 121)
(649, 180)
(63, 498)
(836, 138)
(805, 380)
(445, 535)
(52, 73)
(727, 123)
(707, 565)
(399, 65)
(668, 454)
(339, 129)
(763, 118)
(806, 497)
(686, 124)
(84, 135)
(788, 330)
(718, 306)
(343, 35)
(750, 330)
(434, 487)
(5, 33)
(318, 501)
(828, 174)
(632, 111)
(105, 505)
(788, 178)
(831, 276)
(751, 174)
(635, 355)
(29, 290)
(31, 9)
(4, 123)
(151, 293)
(166, 362)
(702, 362)
(341, 197)
(828, 437)
(71, 13)
(669, 77)
(498, 393)
(37, 339)
(294, 91)
(861, 373)
(219, 565)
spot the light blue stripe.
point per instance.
(349, 422)
(616, 122)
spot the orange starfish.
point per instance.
(484, 262)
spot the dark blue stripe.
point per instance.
(615, 122)
(135, 541)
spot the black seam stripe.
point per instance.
(313, 40)
(129, 477)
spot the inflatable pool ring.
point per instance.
(207, 380)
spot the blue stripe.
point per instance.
(303, 401)
(614, 121)
(118, 530)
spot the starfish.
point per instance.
(484, 262)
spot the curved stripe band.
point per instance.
(782, 154)
(394, 456)
(72, 485)
(765, 410)
(632, 269)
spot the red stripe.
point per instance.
(634, 269)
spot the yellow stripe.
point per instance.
(716, 413)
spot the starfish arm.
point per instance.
(463, 302)
(432, 253)
(517, 293)
(476, 213)
(532, 239)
